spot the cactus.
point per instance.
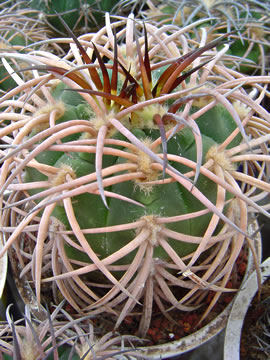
(249, 19)
(58, 336)
(81, 15)
(20, 28)
(136, 164)
(189, 11)
(30, 338)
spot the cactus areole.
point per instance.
(152, 192)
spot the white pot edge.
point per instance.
(239, 309)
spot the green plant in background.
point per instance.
(59, 337)
(133, 164)
(30, 338)
(186, 12)
(251, 18)
(82, 16)
(19, 28)
(3, 276)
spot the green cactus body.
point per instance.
(14, 38)
(163, 200)
(73, 10)
(239, 48)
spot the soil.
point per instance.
(255, 340)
